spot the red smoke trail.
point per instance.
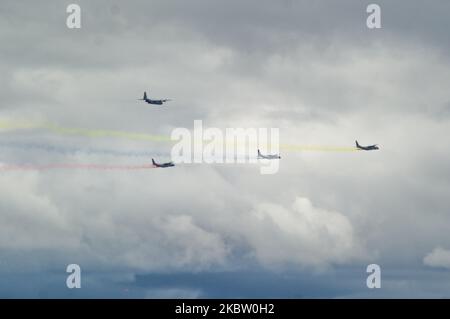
(29, 167)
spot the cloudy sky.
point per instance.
(310, 68)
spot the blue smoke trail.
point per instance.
(74, 151)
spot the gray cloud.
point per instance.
(439, 257)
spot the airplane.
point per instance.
(367, 148)
(150, 101)
(260, 156)
(163, 165)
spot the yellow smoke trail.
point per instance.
(19, 125)
(106, 133)
(317, 148)
(93, 133)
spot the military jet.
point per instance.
(150, 101)
(163, 165)
(367, 148)
(260, 156)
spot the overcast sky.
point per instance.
(310, 68)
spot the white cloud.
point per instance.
(29, 219)
(302, 234)
(439, 257)
(164, 226)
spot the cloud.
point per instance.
(165, 225)
(439, 257)
(28, 217)
(130, 232)
(302, 234)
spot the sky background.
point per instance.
(310, 68)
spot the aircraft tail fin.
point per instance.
(259, 153)
(145, 96)
(153, 162)
(357, 144)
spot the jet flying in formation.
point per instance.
(162, 165)
(261, 156)
(367, 148)
(150, 101)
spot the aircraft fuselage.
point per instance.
(165, 165)
(368, 148)
(269, 156)
(157, 102)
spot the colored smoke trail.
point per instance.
(317, 148)
(30, 167)
(95, 133)
(24, 125)
(106, 133)
(17, 125)
(74, 151)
